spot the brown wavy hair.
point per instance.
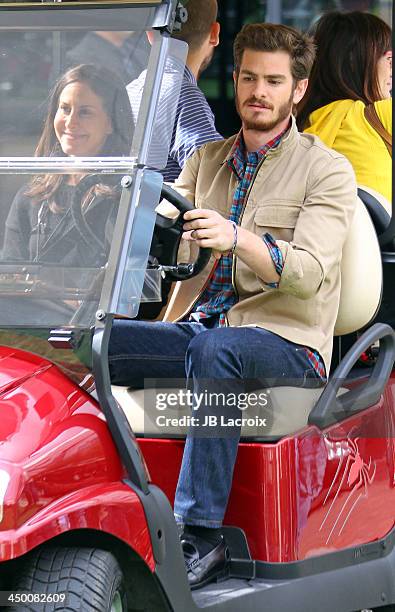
(276, 37)
(349, 46)
(112, 92)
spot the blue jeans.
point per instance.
(231, 358)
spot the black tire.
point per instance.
(90, 578)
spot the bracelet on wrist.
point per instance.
(234, 245)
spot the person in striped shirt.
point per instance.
(194, 121)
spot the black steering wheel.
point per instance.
(167, 239)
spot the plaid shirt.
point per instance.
(219, 295)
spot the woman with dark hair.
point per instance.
(351, 80)
(89, 115)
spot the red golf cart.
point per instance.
(88, 471)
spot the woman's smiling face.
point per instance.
(81, 123)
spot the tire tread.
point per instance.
(85, 574)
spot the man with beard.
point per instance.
(194, 121)
(275, 207)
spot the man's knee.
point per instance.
(211, 351)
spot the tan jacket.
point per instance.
(304, 194)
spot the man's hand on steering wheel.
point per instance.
(169, 231)
(209, 229)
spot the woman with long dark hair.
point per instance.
(351, 80)
(89, 115)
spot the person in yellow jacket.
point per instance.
(353, 68)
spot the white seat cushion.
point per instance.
(286, 410)
(361, 275)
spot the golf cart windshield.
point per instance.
(86, 106)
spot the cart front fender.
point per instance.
(113, 509)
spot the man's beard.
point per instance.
(265, 125)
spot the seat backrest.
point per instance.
(361, 275)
